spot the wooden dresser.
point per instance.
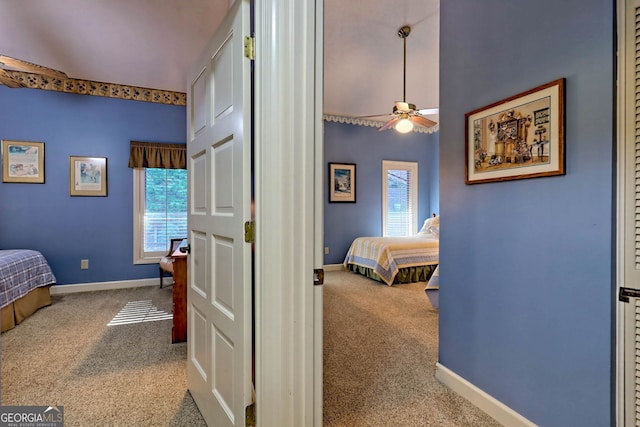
(179, 331)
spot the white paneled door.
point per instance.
(219, 322)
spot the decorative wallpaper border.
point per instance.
(372, 123)
(109, 90)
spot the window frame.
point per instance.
(412, 168)
(139, 255)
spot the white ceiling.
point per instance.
(363, 55)
(151, 43)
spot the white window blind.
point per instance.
(399, 198)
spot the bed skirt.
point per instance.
(420, 273)
(16, 312)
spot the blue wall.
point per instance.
(367, 147)
(67, 229)
(526, 279)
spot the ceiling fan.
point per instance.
(8, 63)
(405, 115)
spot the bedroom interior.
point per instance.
(68, 113)
(525, 324)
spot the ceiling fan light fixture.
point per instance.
(404, 125)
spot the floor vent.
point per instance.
(139, 312)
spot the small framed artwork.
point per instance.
(342, 182)
(87, 176)
(23, 161)
(516, 138)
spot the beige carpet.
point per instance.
(381, 346)
(380, 351)
(126, 375)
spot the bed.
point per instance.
(25, 277)
(397, 259)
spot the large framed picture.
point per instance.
(23, 161)
(87, 176)
(342, 182)
(519, 137)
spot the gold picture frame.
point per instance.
(516, 138)
(87, 176)
(22, 162)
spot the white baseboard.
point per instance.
(103, 286)
(496, 409)
(333, 267)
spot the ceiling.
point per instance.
(363, 55)
(151, 43)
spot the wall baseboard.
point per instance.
(104, 286)
(122, 284)
(496, 409)
(333, 267)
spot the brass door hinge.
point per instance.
(250, 231)
(318, 276)
(250, 415)
(250, 47)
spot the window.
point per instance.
(160, 211)
(399, 198)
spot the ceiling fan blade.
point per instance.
(373, 115)
(389, 124)
(428, 111)
(423, 121)
(29, 67)
(7, 80)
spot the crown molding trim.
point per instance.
(109, 90)
(372, 123)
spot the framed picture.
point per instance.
(87, 176)
(519, 137)
(342, 182)
(23, 161)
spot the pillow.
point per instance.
(425, 226)
(431, 226)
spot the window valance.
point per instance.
(157, 155)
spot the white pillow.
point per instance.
(429, 225)
(425, 226)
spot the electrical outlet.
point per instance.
(84, 264)
(326, 250)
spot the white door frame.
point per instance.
(288, 212)
(621, 226)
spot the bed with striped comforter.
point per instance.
(21, 271)
(387, 255)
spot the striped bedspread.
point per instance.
(434, 281)
(22, 270)
(386, 255)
